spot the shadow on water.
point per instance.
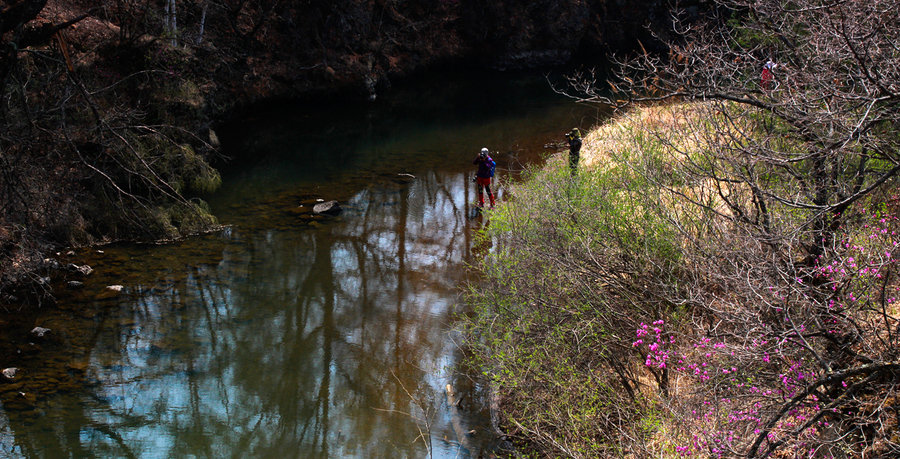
(289, 334)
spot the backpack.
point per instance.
(492, 164)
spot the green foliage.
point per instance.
(558, 298)
(180, 219)
(156, 174)
(756, 229)
(668, 228)
(580, 263)
(189, 172)
(747, 37)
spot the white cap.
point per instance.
(484, 151)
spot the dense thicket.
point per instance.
(723, 281)
(91, 148)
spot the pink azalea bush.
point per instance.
(802, 374)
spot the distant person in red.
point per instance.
(767, 79)
(484, 176)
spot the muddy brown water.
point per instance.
(288, 334)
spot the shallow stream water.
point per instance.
(286, 334)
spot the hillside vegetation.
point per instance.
(626, 312)
(720, 279)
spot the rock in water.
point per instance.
(111, 291)
(9, 373)
(84, 270)
(404, 179)
(327, 207)
(39, 332)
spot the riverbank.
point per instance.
(358, 306)
(112, 110)
(641, 310)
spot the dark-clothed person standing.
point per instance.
(574, 139)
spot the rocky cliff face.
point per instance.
(247, 50)
(311, 46)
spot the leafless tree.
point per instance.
(78, 161)
(171, 22)
(836, 93)
(788, 187)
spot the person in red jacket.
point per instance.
(484, 176)
(767, 79)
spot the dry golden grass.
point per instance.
(612, 139)
(673, 136)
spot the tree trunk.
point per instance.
(202, 22)
(171, 24)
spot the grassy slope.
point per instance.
(587, 274)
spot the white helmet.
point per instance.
(484, 151)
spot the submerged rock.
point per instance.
(300, 211)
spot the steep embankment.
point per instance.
(255, 50)
(282, 49)
(636, 311)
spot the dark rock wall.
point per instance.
(510, 35)
(309, 46)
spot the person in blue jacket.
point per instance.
(484, 176)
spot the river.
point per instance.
(288, 334)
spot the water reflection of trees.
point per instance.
(299, 342)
